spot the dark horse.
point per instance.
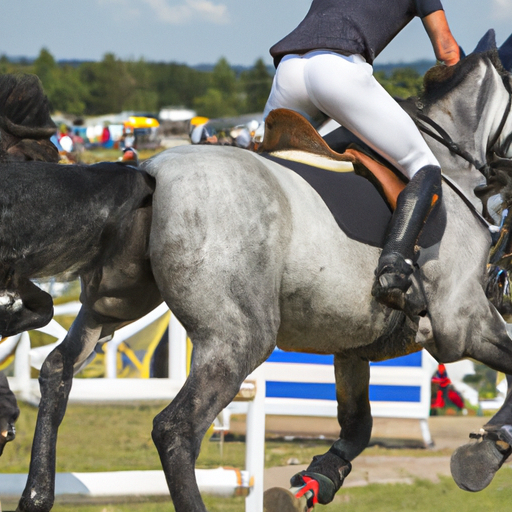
(25, 130)
(9, 413)
(248, 256)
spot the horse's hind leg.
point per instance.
(223, 356)
(55, 382)
(354, 416)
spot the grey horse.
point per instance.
(248, 257)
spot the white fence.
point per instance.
(303, 385)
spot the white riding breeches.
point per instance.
(323, 83)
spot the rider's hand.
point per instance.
(445, 47)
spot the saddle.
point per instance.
(358, 186)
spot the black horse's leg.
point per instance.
(221, 361)
(117, 291)
(354, 416)
(55, 382)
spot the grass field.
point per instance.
(422, 496)
(106, 438)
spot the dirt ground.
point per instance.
(383, 465)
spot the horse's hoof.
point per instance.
(474, 465)
(278, 499)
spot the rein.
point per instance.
(466, 201)
(443, 137)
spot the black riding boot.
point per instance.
(393, 274)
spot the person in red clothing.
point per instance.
(105, 136)
(444, 395)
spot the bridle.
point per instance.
(425, 123)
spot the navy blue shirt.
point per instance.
(350, 27)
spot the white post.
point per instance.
(22, 367)
(177, 350)
(425, 432)
(111, 358)
(255, 444)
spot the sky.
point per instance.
(202, 31)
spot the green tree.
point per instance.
(6, 66)
(179, 85)
(109, 83)
(256, 84)
(61, 84)
(142, 97)
(214, 104)
(222, 99)
(68, 94)
(46, 68)
(402, 83)
(224, 78)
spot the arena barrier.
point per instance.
(303, 385)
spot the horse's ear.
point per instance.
(487, 43)
(505, 53)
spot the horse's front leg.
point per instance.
(474, 465)
(485, 337)
(55, 382)
(354, 416)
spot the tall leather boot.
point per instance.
(393, 274)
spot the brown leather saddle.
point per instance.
(359, 189)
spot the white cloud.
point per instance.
(501, 9)
(170, 11)
(206, 10)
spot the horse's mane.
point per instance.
(440, 79)
(25, 122)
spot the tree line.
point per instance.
(113, 85)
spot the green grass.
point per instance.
(422, 496)
(425, 496)
(106, 438)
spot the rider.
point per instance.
(324, 69)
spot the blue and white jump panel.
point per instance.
(303, 384)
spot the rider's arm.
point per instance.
(445, 46)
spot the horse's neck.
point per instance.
(503, 145)
(466, 240)
(472, 115)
